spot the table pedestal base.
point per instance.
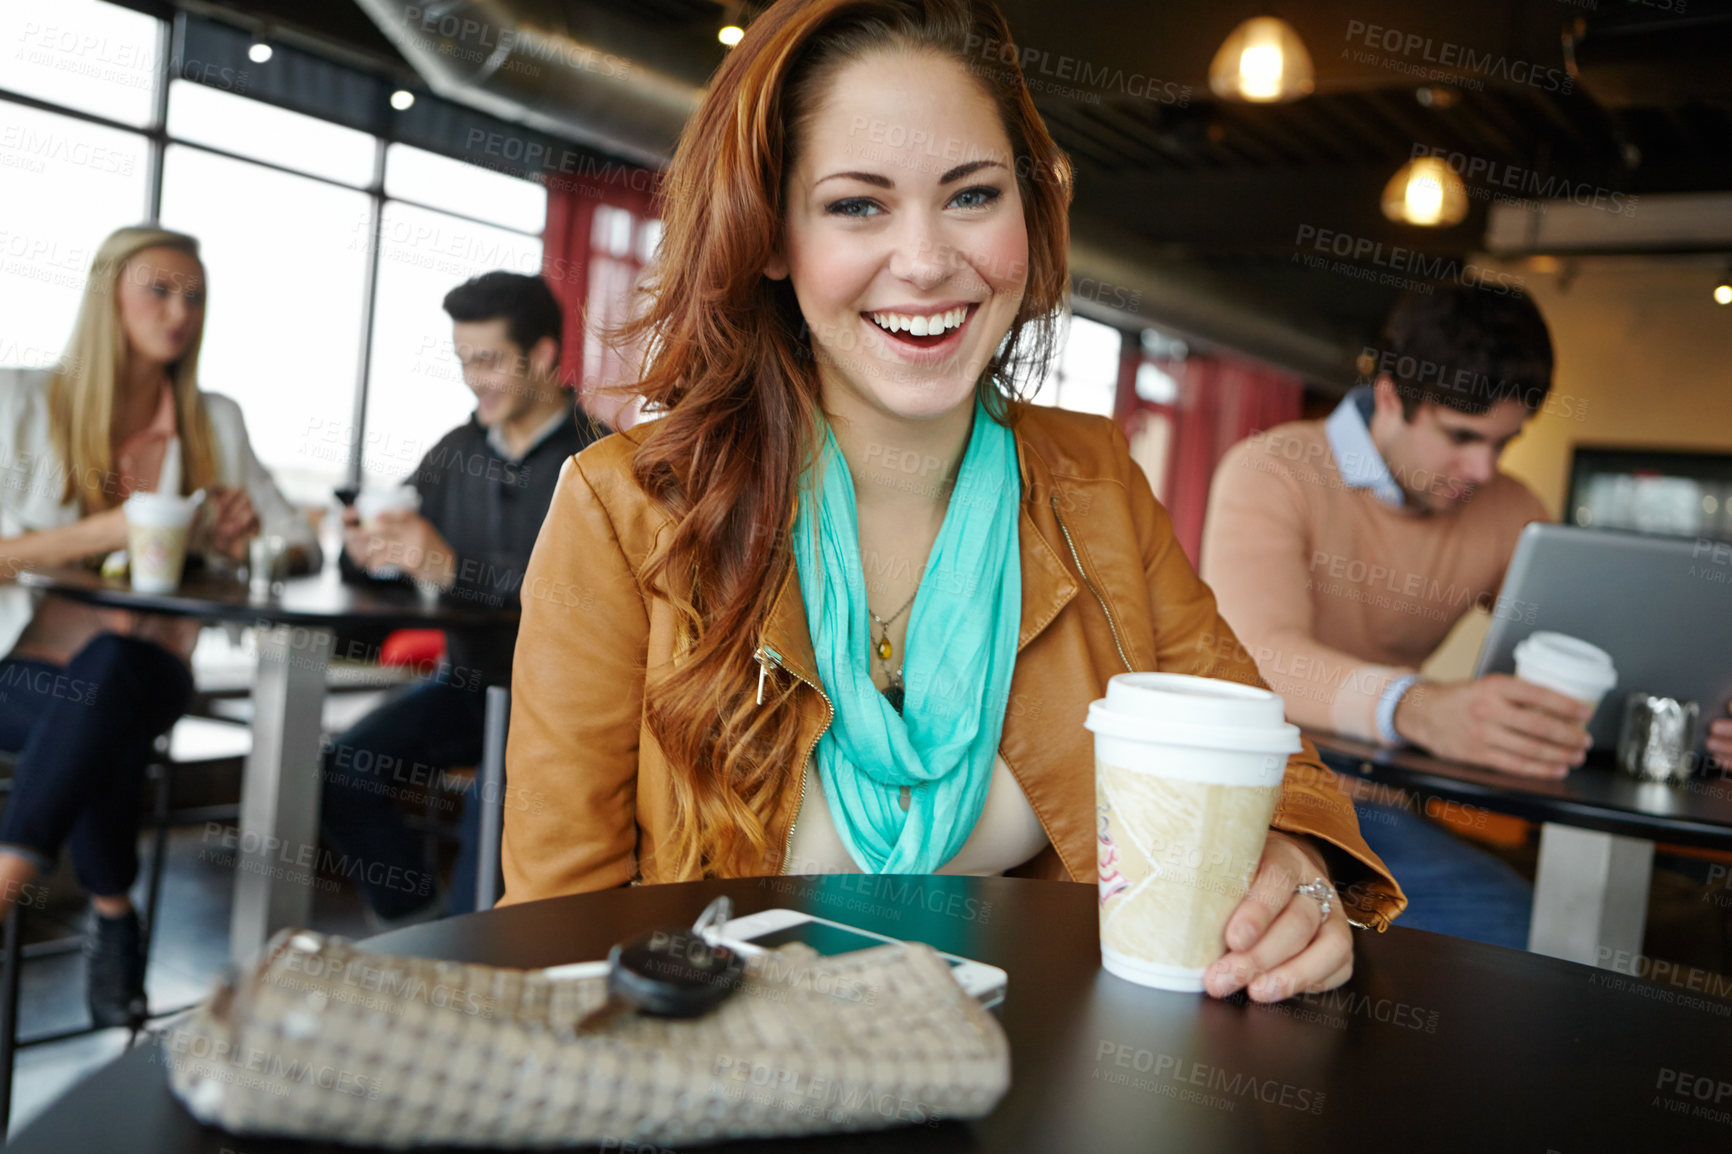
(277, 859)
(1590, 895)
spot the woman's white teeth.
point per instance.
(925, 326)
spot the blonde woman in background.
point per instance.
(85, 692)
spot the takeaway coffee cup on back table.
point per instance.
(403, 498)
(368, 505)
(1188, 771)
(1567, 665)
(157, 525)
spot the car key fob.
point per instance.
(671, 973)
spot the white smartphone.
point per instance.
(767, 929)
(752, 934)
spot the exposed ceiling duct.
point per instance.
(574, 70)
(1654, 56)
(1669, 223)
(583, 74)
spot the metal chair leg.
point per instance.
(12, 960)
(158, 855)
(490, 796)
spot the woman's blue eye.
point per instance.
(853, 206)
(978, 197)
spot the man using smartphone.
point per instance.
(484, 491)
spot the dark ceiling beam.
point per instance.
(1303, 119)
(1080, 137)
(1244, 134)
(1165, 132)
(1401, 110)
(1176, 42)
(1490, 122)
(1112, 129)
(1264, 212)
(1551, 107)
(1354, 111)
(1118, 278)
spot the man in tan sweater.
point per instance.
(1343, 551)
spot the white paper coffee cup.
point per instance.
(1567, 665)
(157, 525)
(1188, 771)
(402, 498)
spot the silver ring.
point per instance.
(1319, 890)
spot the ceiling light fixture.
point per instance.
(1263, 61)
(733, 28)
(402, 99)
(260, 50)
(1427, 192)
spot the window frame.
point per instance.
(157, 138)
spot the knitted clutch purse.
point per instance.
(322, 1040)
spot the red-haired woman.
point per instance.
(843, 607)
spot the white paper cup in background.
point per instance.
(403, 498)
(157, 525)
(1188, 771)
(1566, 664)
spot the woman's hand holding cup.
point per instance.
(1279, 941)
(229, 521)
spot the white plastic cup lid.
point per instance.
(166, 509)
(1564, 658)
(1202, 712)
(373, 503)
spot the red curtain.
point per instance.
(598, 233)
(1221, 401)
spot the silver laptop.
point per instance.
(1661, 606)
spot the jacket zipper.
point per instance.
(1111, 625)
(766, 657)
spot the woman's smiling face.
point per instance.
(904, 235)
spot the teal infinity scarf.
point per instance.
(962, 633)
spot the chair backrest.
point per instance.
(490, 796)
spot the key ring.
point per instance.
(716, 915)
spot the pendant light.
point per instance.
(1262, 60)
(1427, 192)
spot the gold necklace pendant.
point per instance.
(885, 649)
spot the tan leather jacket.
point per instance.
(1105, 588)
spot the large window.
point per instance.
(65, 184)
(82, 54)
(201, 115)
(416, 392)
(1086, 376)
(286, 208)
(286, 289)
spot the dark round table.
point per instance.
(1436, 1044)
(1597, 833)
(296, 635)
(318, 601)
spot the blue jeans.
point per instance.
(1452, 887)
(406, 743)
(83, 735)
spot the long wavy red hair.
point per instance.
(729, 362)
